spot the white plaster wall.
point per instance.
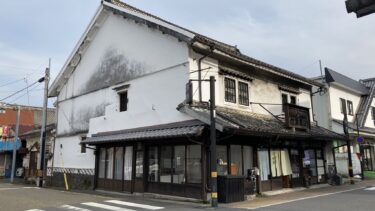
(321, 108)
(210, 67)
(139, 45)
(70, 156)
(152, 100)
(335, 94)
(369, 122)
(74, 114)
(137, 42)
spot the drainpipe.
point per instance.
(200, 71)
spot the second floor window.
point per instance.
(343, 106)
(123, 101)
(350, 107)
(230, 90)
(286, 98)
(243, 93)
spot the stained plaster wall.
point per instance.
(152, 100)
(122, 52)
(260, 91)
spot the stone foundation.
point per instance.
(76, 179)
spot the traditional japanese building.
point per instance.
(133, 115)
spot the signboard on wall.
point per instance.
(297, 117)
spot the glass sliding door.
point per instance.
(109, 163)
(153, 164)
(102, 162)
(194, 164)
(236, 160)
(119, 162)
(128, 163)
(222, 159)
(179, 165)
(166, 164)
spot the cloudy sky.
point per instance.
(292, 34)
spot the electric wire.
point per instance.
(30, 90)
(15, 93)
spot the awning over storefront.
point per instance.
(172, 130)
(254, 124)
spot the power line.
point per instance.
(32, 89)
(12, 82)
(9, 96)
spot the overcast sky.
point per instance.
(291, 34)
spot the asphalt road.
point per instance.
(362, 199)
(19, 197)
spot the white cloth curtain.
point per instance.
(264, 164)
(128, 163)
(280, 163)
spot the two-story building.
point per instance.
(125, 124)
(355, 98)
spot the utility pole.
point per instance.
(350, 162)
(214, 200)
(15, 145)
(360, 148)
(43, 130)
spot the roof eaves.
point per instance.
(63, 75)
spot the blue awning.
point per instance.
(8, 145)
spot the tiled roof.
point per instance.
(333, 76)
(173, 130)
(264, 125)
(229, 49)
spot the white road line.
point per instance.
(8, 189)
(106, 207)
(35, 210)
(300, 199)
(31, 187)
(130, 204)
(69, 207)
(372, 188)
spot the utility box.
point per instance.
(231, 188)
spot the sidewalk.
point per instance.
(297, 195)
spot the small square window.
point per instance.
(293, 100)
(350, 107)
(123, 101)
(243, 93)
(230, 90)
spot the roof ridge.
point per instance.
(135, 9)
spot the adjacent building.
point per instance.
(30, 119)
(355, 98)
(133, 115)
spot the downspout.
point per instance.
(200, 69)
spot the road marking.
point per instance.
(304, 198)
(130, 204)
(69, 207)
(31, 187)
(35, 210)
(9, 188)
(372, 188)
(106, 207)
